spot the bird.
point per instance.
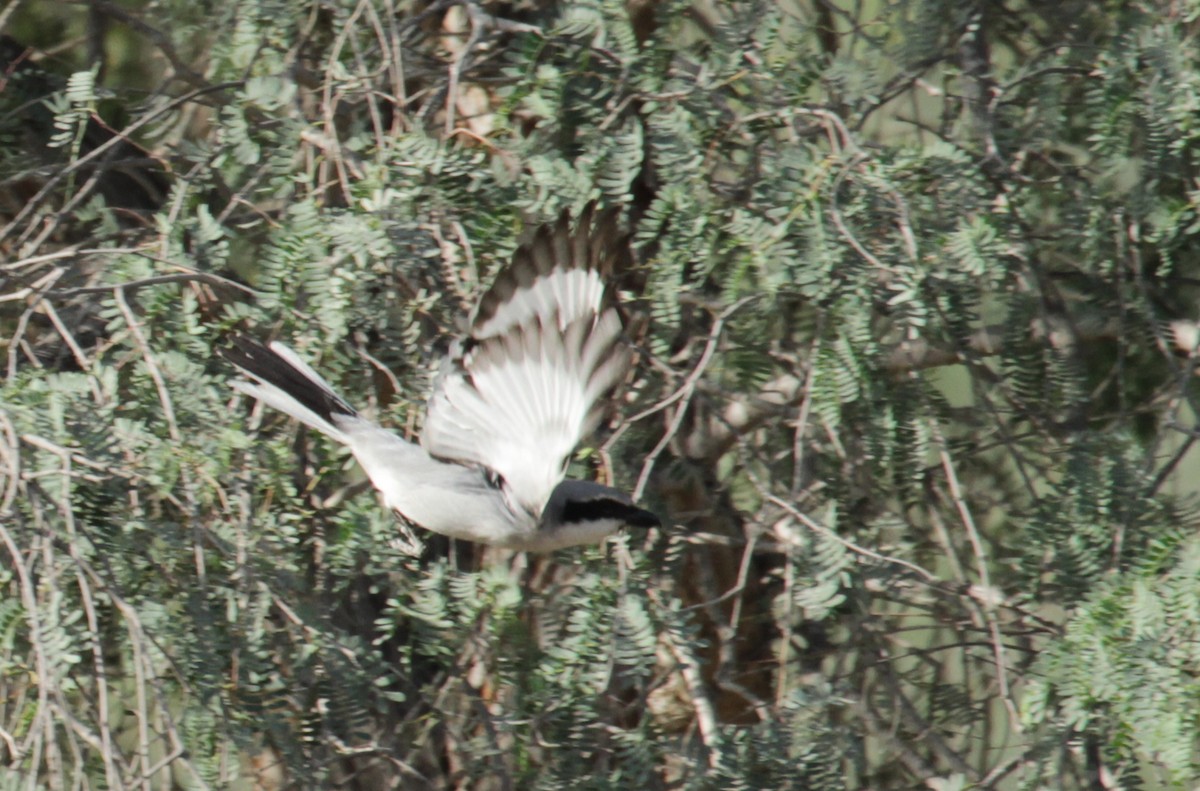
(542, 352)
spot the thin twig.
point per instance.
(684, 393)
(981, 567)
(164, 396)
(157, 280)
(785, 536)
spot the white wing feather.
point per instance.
(521, 391)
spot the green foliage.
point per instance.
(1128, 655)
(914, 307)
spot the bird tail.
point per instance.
(283, 381)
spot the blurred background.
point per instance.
(915, 394)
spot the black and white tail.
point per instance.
(283, 381)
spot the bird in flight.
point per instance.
(542, 352)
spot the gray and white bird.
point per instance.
(513, 398)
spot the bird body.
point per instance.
(510, 403)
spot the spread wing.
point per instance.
(543, 348)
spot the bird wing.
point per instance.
(544, 346)
(561, 274)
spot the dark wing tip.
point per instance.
(259, 361)
(594, 241)
(243, 352)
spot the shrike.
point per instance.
(543, 349)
